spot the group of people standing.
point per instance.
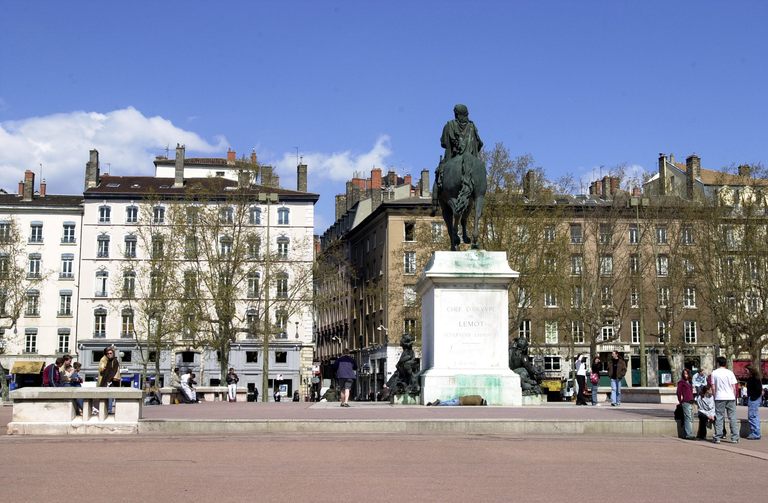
(617, 369)
(715, 398)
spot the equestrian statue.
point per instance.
(460, 178)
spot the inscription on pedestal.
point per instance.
(466, 322)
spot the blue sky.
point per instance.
(354, 85)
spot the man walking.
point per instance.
(346, 368)
(725, 388)
(617, 369)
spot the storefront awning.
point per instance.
(27, 367)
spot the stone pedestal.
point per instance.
(465, 348)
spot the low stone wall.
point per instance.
(647, 395)
(51, 411)
(204, 393)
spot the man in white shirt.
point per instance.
(725, 389)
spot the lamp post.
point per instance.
(268, 199)
(637, 202)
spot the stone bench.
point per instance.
(647, 395)
(51, 411)
(204, 394)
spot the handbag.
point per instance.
(594, 378)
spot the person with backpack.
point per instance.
(52, 375)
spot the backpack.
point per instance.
(47, 375)
(594, 378)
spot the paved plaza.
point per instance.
(376, 467)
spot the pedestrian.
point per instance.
(188, 388)
(296, 397)
(346, 372)
(594, 379)
(754, 399)
(52, 375)
(699, 381)
(725, 389)
(685, 400)
(65, 370)
(109, 374)
(276, 395)
(617, 369)
(255, 394)
(76, 381)
(232, 381)
(706, 404)
(581, 379)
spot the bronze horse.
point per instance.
(463, 183)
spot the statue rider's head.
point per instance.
(461, 112)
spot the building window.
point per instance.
(65, 303)
(281, 357)
(524, 330)
(663, 296)
(661, 234)
(192, 214)
(67, 264)
(550, 332)
(283, 216)
(606, 265)
(552, 363)
(410, 231)
(281, 283)
(158, 215)
(606, 296)
(409, 259)
(131, 214)
(688, 267)
(409, 326)
(190, 284)
(577, 265)
(634, 264)
(254, 216)
(126, 326)
(437, 231)
(156, 284)
(34, 266)
(550, 264)
(104, 214)
(634, 234)
(690, 332)
(68, 236)
(252, 323)
(129, 284)
(689, 297)
(5, 232)
(635, 331)
(33, 303)
(605, 234)
(130, 246)
(251, 357)
(662, 265)
(102, 279)
(190, 247)
(158, 247)
(686, 235)
(63, 346)
(30, 340)
(282, 247)
(662, 328)
(36, 233)
(409, 296)
(225, 246)
(577, 331)
(550, 299)
(227, 215)
(634, 297)
(254, 247)
(576, 235)
(523, 299)
(549, 234)
(754, 304)
(253, 284)
(577, 296)
(100, 323)
(608, 332)
(281, 323)
(5, 264)
(102, 249)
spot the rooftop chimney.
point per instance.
(692, 171)
(178, 179)
(301, 177)
(407, 180)
(29, 185)
(266, 176)
(375, 179)
(424, 187)
(341, 205)
(92, 170)
(42, 187)
(662, 174)
(21, 187)
(231, 156)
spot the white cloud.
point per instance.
(338, 166)
(126, 139)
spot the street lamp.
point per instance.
(266, 198)
(637, 202)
